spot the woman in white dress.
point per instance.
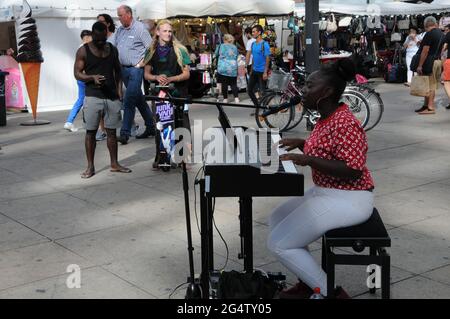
(412, 46)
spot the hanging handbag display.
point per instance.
(345, 22)
(404, 24)
(323, 25)
(414, 21)
(374, 22)
(390, 24)
(359, 29)
(396, 36)
(332, 25)
(291, 39)
(331, 43)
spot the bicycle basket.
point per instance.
(279, 81)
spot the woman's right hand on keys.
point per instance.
(292, 143)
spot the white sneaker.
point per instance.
(100, 136)
(135, 130)
(236, 100)
(70, 127)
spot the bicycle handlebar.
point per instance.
(154, 86)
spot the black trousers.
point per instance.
(256, 79)
(226, 81)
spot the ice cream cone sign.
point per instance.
(29, 53)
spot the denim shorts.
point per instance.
(95, 108)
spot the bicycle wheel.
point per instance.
(358, 105)
(376, 105)
(297, 116)
(279, 120)
(258, 111)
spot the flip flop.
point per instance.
(121, 170)
(427, 111)
(86, 174)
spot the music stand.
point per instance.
(226, 126)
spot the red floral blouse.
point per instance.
(340, 137)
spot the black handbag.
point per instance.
(427, 67)
(236, 285)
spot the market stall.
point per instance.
(373, 33)
(59, 23)
(200, 26)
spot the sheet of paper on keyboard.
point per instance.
(288, 166)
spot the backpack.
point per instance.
(237, 285)
(396, 72)
(263, 48)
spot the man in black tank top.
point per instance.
(97, 64)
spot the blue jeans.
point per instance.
(78, 104)
(132, 78)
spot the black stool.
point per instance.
(371, 234)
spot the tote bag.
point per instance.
(420, 86)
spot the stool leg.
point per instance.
(386, 276)
(373, 252)
(324, 255)
(330, 274)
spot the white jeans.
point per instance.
(302, 220)
(409, 57)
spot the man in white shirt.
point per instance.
(132, 40)
(248, 47)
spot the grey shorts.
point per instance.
(94, 109)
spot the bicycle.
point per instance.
(376, 104)
(292, 116)
(279, 82)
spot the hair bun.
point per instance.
(346, 69)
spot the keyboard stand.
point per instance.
(207, 243)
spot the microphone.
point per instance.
(293, 101)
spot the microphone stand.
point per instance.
(194, 290)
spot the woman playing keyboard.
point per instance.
(342, 195)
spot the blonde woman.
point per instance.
(167, 61)
(227, 67)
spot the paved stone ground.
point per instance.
(128, 234)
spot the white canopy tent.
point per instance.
(378, 7)
(60, 23)
(59, 26)
(202, 8)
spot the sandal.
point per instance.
(427, 111)
(120, 170)
(423, 108)
(87, 174)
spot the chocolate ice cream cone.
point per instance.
(30, 57)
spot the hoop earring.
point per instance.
(318, 103)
